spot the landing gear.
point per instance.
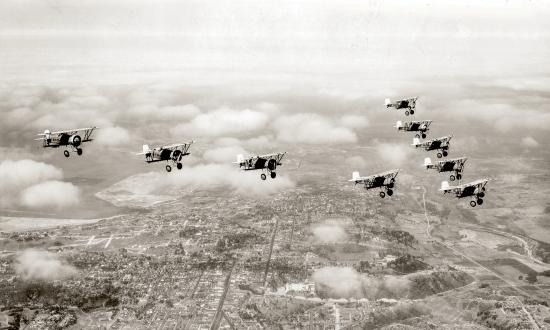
(473, 203)
(273, 175)
(179, 166)
(382, 194)
(480, 201)
(481, 194)
(459, 176)
(423, 135)
(406, 112)
(445, 153)
(79, 151)
(439, 155)
(411, 112)
(390, 192)
(391, 184)
(452, 177)
(168, 168)
(66, 153)
(263, 176)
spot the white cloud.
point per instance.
(226, 154)
(35, 185)
(50, 194)
(529, 142)
(112, 136)
(223, 122)
(311, 129)
(32, 265)
(329, 233)
(354, 121)
(393, 154)
(151, 111)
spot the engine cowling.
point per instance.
(176, 155)
(272, 164)
(75, 140)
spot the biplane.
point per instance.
(169, 153)
(441, 144)
(420, 126)
(475, 189)
(408, 104)
(71, 139)
(455, 165)
(384, 180)
(266, 163)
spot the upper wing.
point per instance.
(178, 145)
(72, 131)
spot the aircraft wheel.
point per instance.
(263, 176)
(445, 153)
(66, 153)
(391, 184)
(483, 189)
(423, 135)
(412, 112)
(168, 168)
(473, 203)
(406, 112)
(439, 155)
(479, 201)
(459, 176)
(179, 166)
(382, 194)
(452, 177)
(390, 192)
(273, 175)
(79, 152)
(481, 194)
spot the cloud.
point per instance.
(224, 154)
(151, 111)
(346, 282)
(32, 265)
(393, 154)
(223, 122)
(529, 142)
(112, 136)
(50, 194)
(329, 233)
(311, 129)
(354, 121)
(356, 162)
(35, 185)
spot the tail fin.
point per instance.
(387, 102)
(416, 141)
(355, 176)
(240, 158)
(398, 124)
(146, 149)
(444, 185)
(427, 162)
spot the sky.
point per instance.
(253, 77)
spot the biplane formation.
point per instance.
(173, 154)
